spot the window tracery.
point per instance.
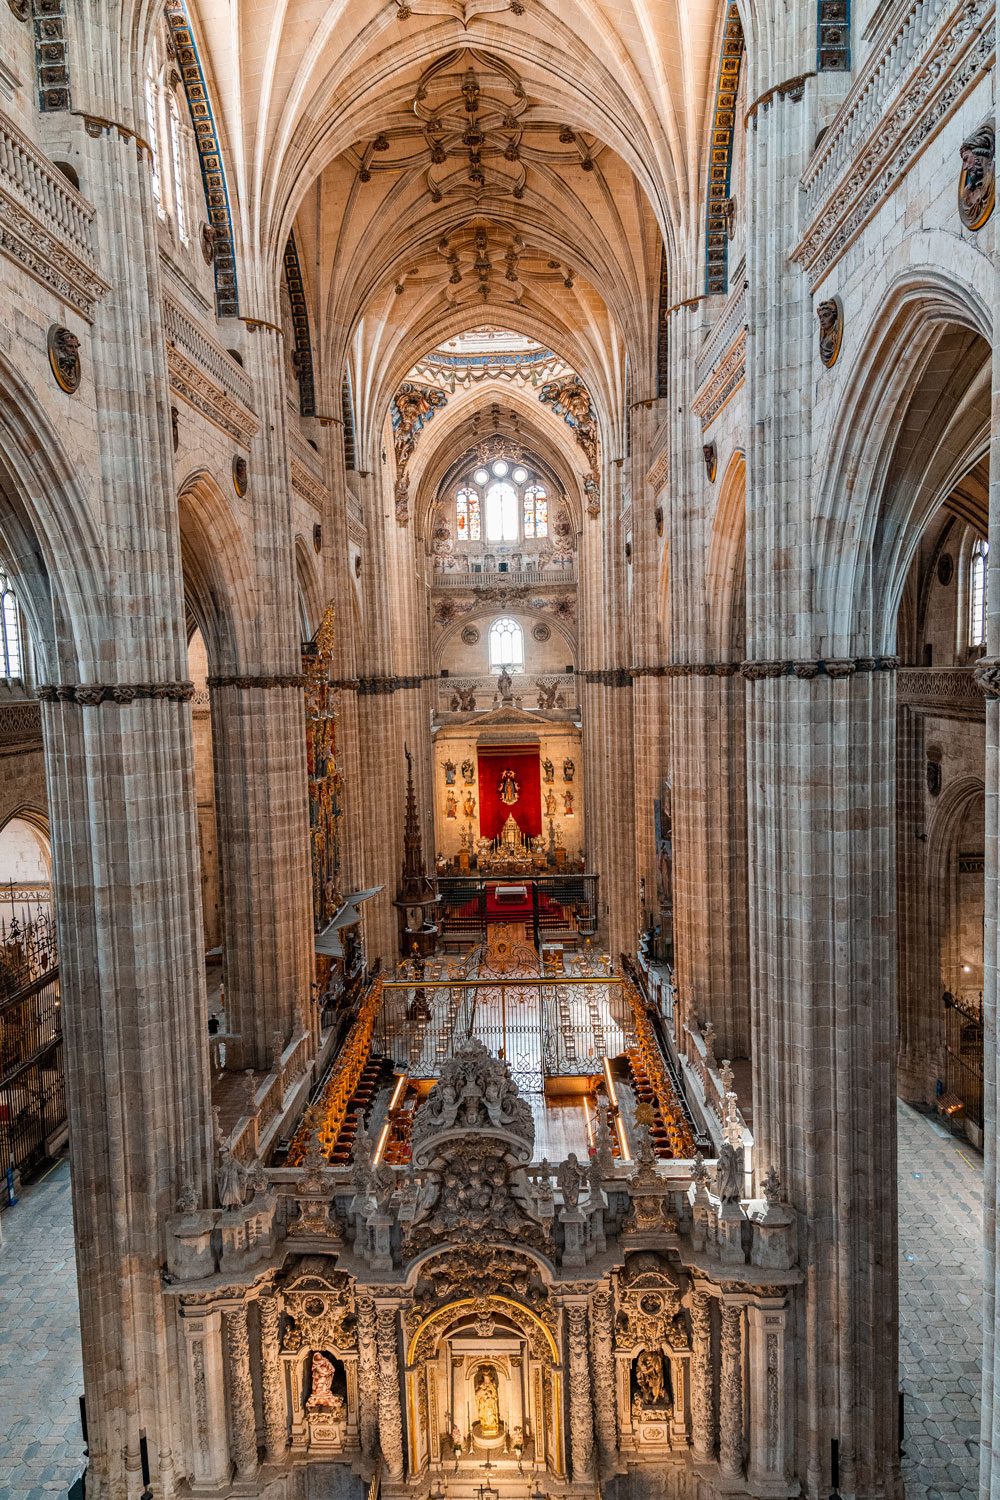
(506, 646)
(10, 632)
(501, 502)
(978, 581)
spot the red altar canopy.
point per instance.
(527, 810)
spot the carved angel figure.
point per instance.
(570, 1179)
(729, 1173)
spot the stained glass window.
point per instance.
(506, 646)
(977, 594)
(469, 521)
(10, 634)
(501, 512)
(536, 511)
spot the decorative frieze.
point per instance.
(293, 679)
(368, 1374)
(724, 382)
(810, 667)
(20, 721)
(90, 694)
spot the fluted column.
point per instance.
(368, 1375)
(703, 1428)
(602, 1328)
(241, 1410)
(390, 1412)
(272, 1381)
(731, 1390)
(258, 743)
(581, 1398)
(989, 1467)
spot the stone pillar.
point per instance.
(258, 743)
(272, 1381)
(768, 1436)
(243, 1423)
(731, 1391)
(703, 1429)
(209, 1457)
(988, 676)
(116, 725)
(390, 1413)
(602, 1326)
(367, 1376)
(821, 818)
(581, 1400)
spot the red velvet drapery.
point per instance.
(527, 810)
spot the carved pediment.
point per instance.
(319, 1312)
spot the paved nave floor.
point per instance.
(939, 1246)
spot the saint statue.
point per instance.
(649, 1378)
(569, 769)
(550, 804)
(548, 770)
(321, 1397)
(568, 800)
(510, 788)
(488, 1401)
(451, 805)
(469, 805)
(449, 772)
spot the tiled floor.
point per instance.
(940, 1199)
(940, 1319)
(41, 1449)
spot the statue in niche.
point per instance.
(468, 772)
(548, 770)
(510, 787)
(650, 1379)
(569, 769)
(321, 1397)
(449, 772)
(977, 180)
(550, 804)
(230, 1180)
(505, 686)
(568, 804)
(469, 805)
(451, 806)
(488, 1401)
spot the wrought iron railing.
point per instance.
(962, 1024)
(27, 949)
(562, 906)
(32, 1083)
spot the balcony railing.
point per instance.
(514, 578)
(530, 690)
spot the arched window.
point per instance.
(469, 523)
(501, 513)
(977, 594)
(177, 170)
(153, 125)
(10, 634)
(506, 646)
(536, 511)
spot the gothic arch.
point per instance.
(882, 484)
(726, 573)
(218, 574)
(311, 601)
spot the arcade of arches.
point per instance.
(500, 726)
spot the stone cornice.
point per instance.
(305, 485)
(211, 400)
(873, 142)
(90, 694)
(725, 380)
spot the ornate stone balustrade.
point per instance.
(910, 86)
(206, 376)
(520, 578)
(20, 721)
(951, 690)
(525, 687)
(46, 226)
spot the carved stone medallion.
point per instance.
(977, 180)
(711, 457)
(64, 357)
(241, 475)
(207, 244)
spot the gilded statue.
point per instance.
(649, 1378)
(510, 787)
(488, 1401)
